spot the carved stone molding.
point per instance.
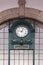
(21, 12)
(22, 2)
(21, 7)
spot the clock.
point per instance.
(21, 31)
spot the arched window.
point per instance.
(21, 57)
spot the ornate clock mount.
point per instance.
(21, 34)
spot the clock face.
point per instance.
(21, 31)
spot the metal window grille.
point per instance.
(21, 57)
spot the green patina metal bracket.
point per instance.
(24, 43)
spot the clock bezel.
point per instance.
(23, 26)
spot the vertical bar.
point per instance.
(14, 57)
(28, 57)
(18, 57)
(9, 57)
(9, 48)
(33, 57)
(34, 48)
(23, 57)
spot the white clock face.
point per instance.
(21, 31)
